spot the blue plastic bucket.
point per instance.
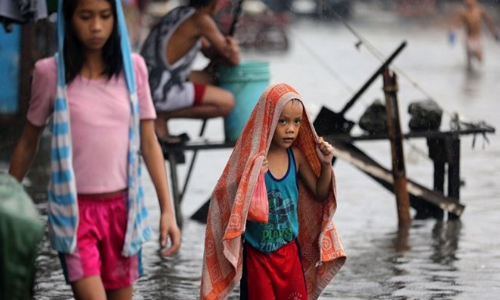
(246, 81)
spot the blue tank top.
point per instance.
(283, 225)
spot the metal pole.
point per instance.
(398, 163)
(191, 165)
(175, 188)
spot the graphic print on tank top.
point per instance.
(283, 224)
(279, 230)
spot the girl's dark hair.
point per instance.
(73, 48)
(200, 3)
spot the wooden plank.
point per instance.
(215, 145)
(360, 160)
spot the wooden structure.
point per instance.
(444, 150)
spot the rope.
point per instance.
(375, 52)
(346, 86)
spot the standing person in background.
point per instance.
(470, 17)
(102, 114)
(170, 51)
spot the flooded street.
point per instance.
(431, 260)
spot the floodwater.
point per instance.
(430, 260)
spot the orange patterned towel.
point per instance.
(322, 250)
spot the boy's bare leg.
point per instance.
(119, 294)
(469, 60)
(479, 56)
(89, 288)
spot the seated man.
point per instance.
(169, 52)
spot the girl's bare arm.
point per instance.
(155, 164)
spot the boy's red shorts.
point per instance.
(277, 275)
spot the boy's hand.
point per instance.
(324, 151)
(233, 47)
(169, 229)
(265, 166)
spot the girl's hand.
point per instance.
(324, 151)
(169, 229)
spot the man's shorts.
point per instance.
(275, 275)
(100, 238)
(181, 96)
(473, 44)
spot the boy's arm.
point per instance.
(320, 185)
(491, 25)
(216, 44)
(25, 151)
(153, 158)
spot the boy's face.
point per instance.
(288, 125)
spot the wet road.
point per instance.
(430, 260)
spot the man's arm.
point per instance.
(215, 44)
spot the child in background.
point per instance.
(471, 17)
(280, 140)
(101, 117)
(170, 50)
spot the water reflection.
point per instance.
(423, 266)
(471, 86)
(445, 236)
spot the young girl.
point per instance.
(279, 140)
(102, 114)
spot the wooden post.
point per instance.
(437, 152)
(398, 163)
(453, 146)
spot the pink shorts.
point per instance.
(100, 237)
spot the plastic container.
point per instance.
(246, 81)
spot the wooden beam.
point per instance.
(356, 157)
